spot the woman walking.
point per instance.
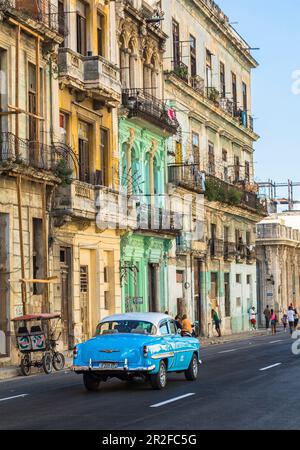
(273, 321)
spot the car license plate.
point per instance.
(108, 365)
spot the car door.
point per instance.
(165, 332)
(183, 351)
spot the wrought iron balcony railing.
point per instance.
(234, 194)
(187, 175)
(142, 104)
(229, 251)
(28, 153)
(216, 248)
(45, 12)
(158, 219)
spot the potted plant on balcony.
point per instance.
(63, 172)
(214, 95)
(182, 72)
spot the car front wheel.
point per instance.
(191, 373)
(159, 380)
(90, 382)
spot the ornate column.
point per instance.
(129, 162)
(152, 152)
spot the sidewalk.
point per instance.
(215, 340)
(7, 372)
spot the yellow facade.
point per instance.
(86, 259)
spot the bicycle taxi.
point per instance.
(36, 343)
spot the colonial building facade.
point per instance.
(208, 71)
(145, 124)
(86, 253)
(28, 159)
(126, 163)
(278, 259)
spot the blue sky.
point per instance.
(274, 27)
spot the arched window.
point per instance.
(135, 176)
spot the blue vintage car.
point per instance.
(144, 345)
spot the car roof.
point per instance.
(153, 318)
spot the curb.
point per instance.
(206, 342)
(9, 372)
(13, 371)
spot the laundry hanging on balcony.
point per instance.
(171, 114)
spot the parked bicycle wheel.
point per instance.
(25, 365)
(47, 363)
(58, 361)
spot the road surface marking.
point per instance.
(171, 400)
(229, 351)
(274, 342)
(11, 398)
(270, 367)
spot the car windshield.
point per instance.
(125, 326)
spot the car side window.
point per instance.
(163, 328)
(172, 327)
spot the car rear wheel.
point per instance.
(159, 380)
(191, 374)
(90, 382)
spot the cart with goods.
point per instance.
(36, 342)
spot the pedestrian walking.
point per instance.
(284, 321)
(267, 314)
(253, 315)
(291, 318)
(296, 319)
(216, 321)
(273, 321)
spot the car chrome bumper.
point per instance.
(117, 369)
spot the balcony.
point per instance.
(181, 70)
(216, 248)
(158, 219)
(188, 176)
(25, 154)
(227, 105)
(44, 13)
(86, 202)
(91, 73)
(229, 251)
(232, 194)
(147, 107)
(183, 246)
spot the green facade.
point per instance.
(144, 255)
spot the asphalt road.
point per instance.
(232, 392)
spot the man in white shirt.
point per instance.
(291, 318)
